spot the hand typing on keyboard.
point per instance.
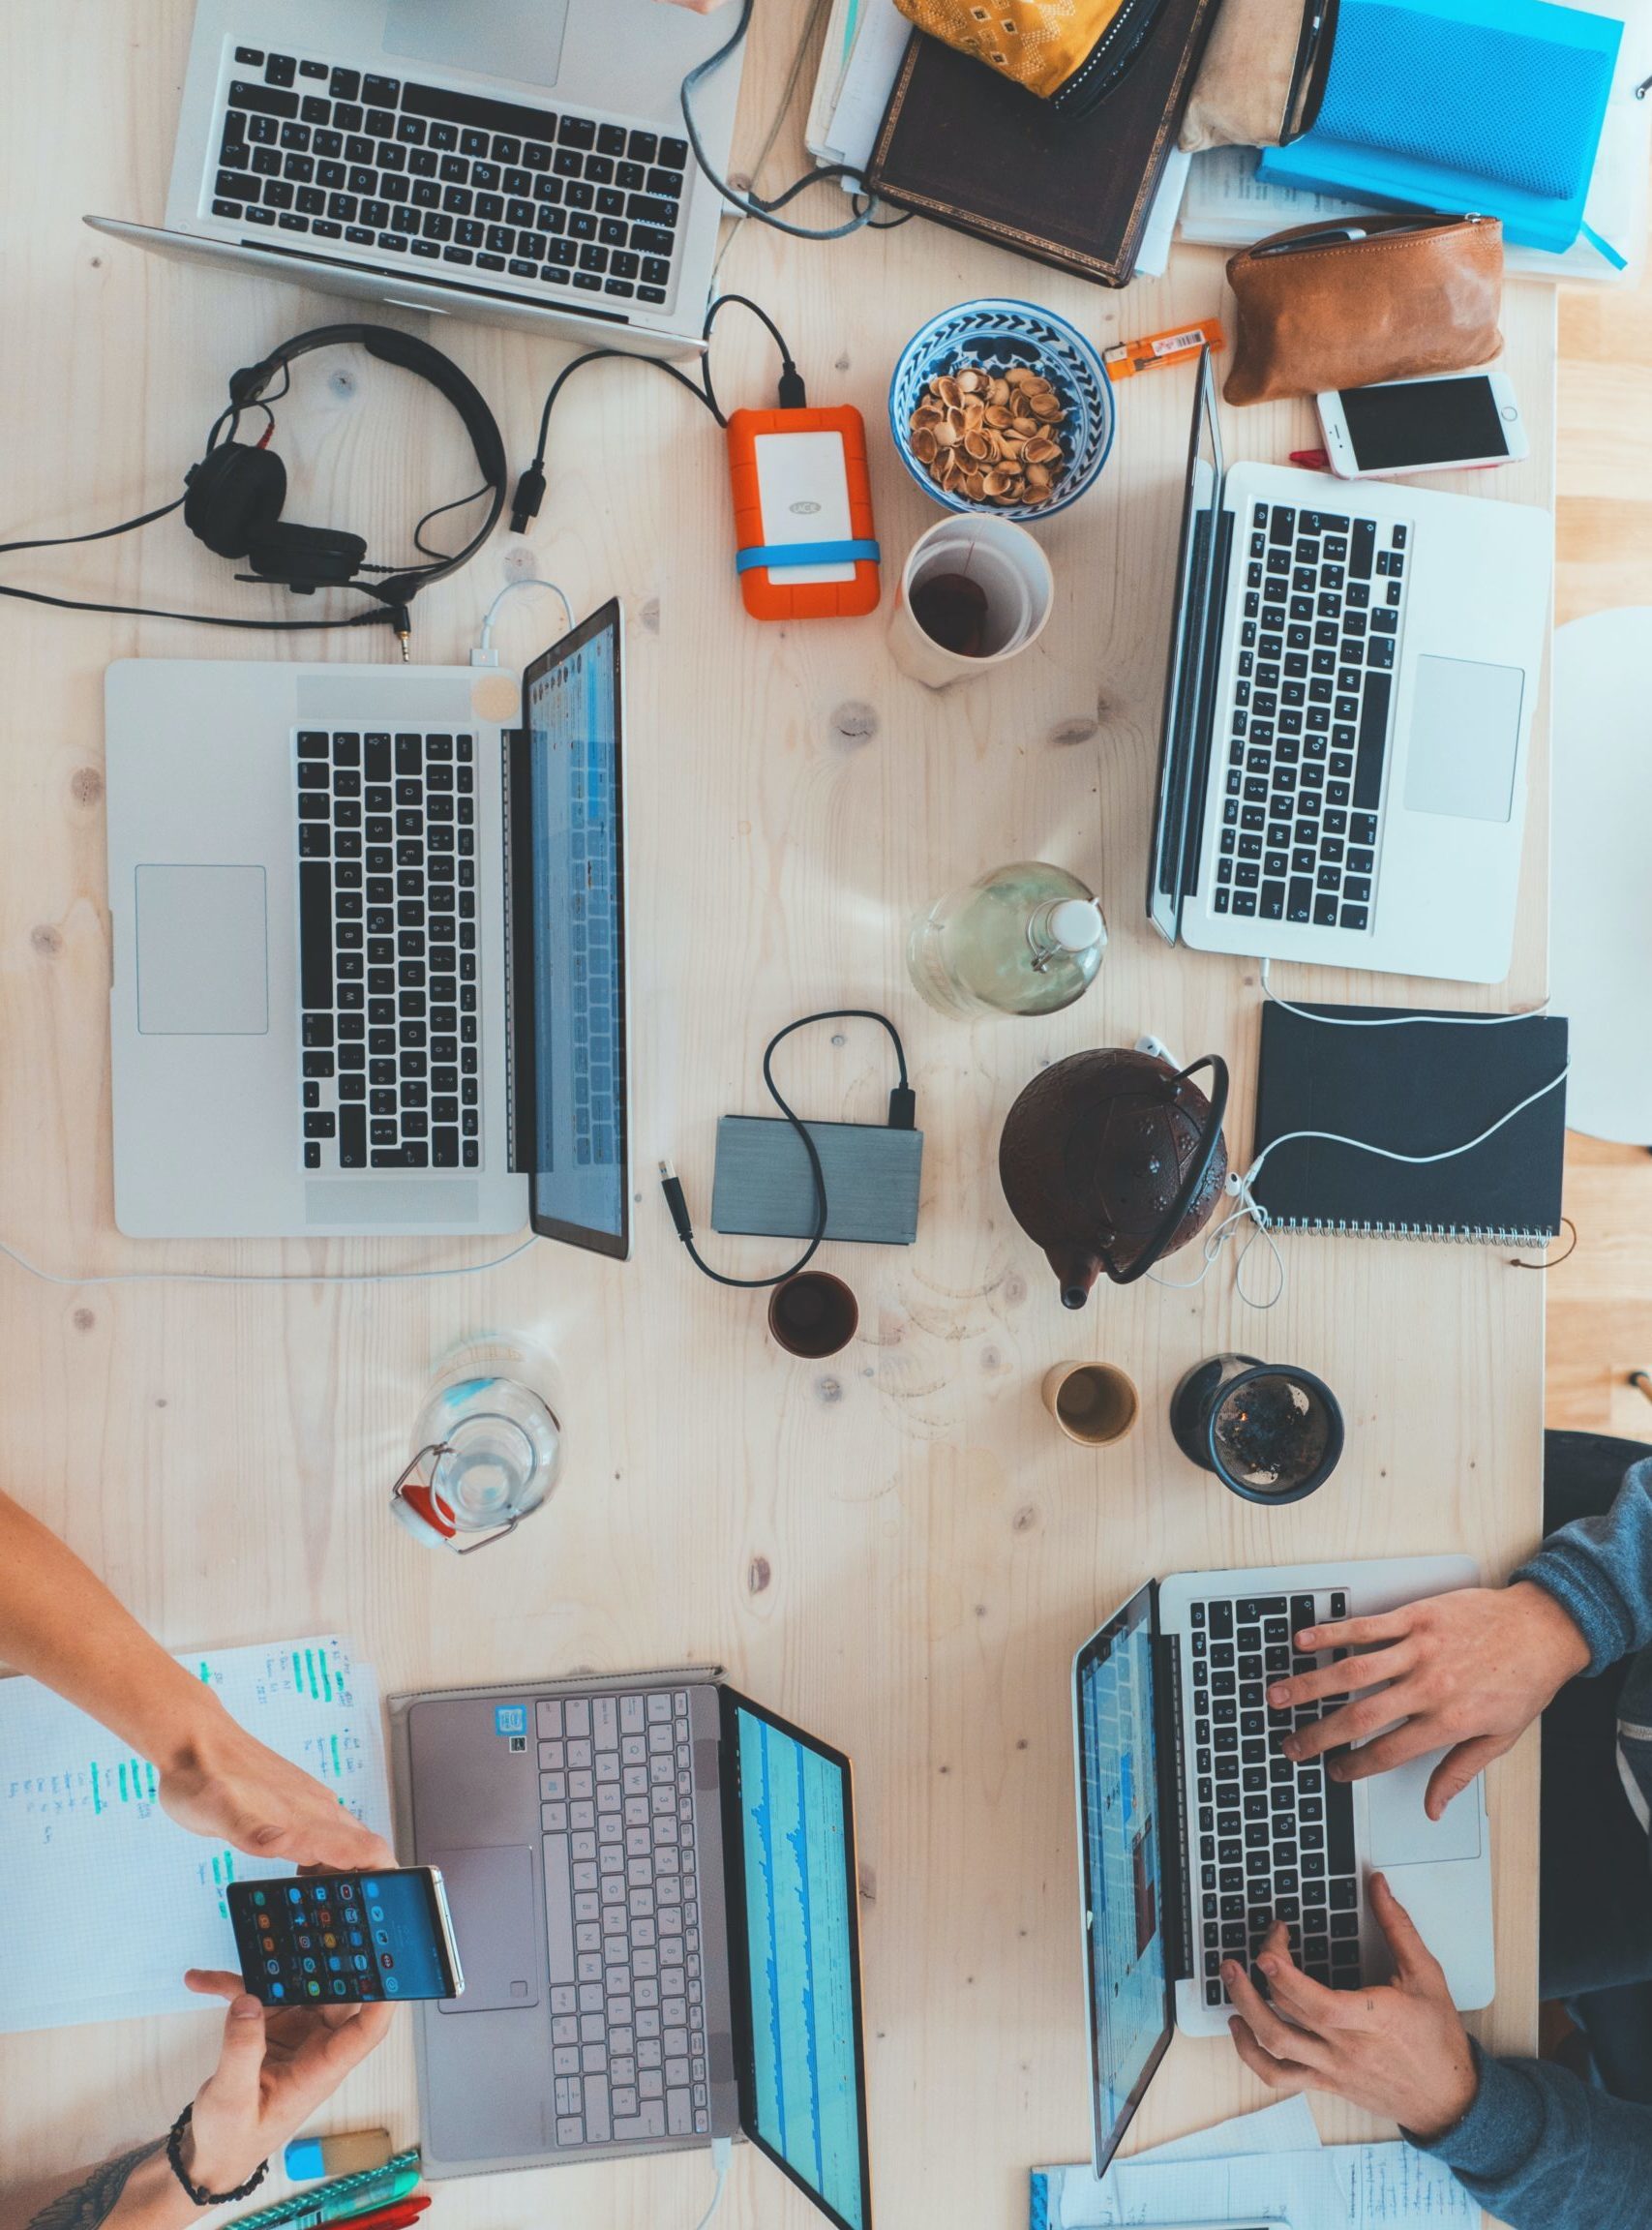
(1472, 1670)
(1397, 2049)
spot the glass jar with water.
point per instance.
(487, 1448)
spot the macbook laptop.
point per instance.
(1354, 668)
(520, 160)
(1196, 1832)
(653, 1890)
(369, 947)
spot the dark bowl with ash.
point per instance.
(1270, 1432)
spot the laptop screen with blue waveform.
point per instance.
(802, 2089)
(577, 1150)
(1130, 1993)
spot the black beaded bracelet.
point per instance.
(175, 2159)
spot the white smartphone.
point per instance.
(1434, 425)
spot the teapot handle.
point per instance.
(1210, 1147)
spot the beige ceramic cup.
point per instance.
(1013, 573)
(1094, 1404)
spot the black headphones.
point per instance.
(232, 498)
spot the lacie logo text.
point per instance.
(805, 507)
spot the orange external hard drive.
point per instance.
(804, 542)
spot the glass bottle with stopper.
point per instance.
(1025, 939)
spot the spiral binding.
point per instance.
(1453, 1234)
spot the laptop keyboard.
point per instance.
(1324, 594)
(1276, 1840)
(565, 201)
(387, 950)
(623, 1913)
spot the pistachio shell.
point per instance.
(976, 445)
(924, 444)
(1042, 450)
(999, 393)
(1046, 407)
(949, 391)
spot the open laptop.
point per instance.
(1354, 668)
(1196, 1832)
(653, 1890)
(520, 160)
(369, 947)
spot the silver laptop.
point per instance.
(653, 1890)
(1354, 668)
(520, 160)
(369, 947)
(1196, 1832)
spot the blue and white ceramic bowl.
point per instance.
(996, 334)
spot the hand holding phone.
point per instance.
(346, 1938)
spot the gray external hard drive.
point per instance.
(764, 1188)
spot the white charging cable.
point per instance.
(483, 653)
(264, 1277)
(721, 2149)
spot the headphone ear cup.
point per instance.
(234, 495)
(305, 558)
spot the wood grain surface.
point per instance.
(896, 1547)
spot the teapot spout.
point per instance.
(1078, 1274)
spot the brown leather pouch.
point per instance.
(1418, 295)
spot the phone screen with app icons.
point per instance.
(323, 1937)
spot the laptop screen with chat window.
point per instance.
(789, 1843)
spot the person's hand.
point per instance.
(1398, 2050)
(1467, 1672)
(699, 7)
(227, 1784)
(272, 2073)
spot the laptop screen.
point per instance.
(574, 903)
(1132, 1991)
(789, 1844)
(1189, 633)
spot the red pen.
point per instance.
(397, 2217)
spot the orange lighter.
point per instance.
(805, 547)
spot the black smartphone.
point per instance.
(330, 1938)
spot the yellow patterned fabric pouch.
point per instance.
(1069, 52)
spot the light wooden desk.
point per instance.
(896, 1547)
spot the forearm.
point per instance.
(1600, 1571)
(137, 2190)
(60, 1624)
(1537, 2147)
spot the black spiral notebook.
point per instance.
(1417, 1088)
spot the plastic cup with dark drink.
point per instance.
(974, 593)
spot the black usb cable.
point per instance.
(903, 1115)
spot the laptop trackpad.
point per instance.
(519, 41)
(1465, 738)
(201, 966)
(1399, 1832)
(490, 1894)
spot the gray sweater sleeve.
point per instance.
(1600, 1570)
(1539, 2149)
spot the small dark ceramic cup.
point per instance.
(812, 1314)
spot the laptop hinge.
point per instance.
(1175, 1890)
(1204, 716)
(519, 1112)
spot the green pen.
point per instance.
(363, 2193)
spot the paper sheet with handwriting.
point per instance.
(1073, 2199)
(107, 1901)
(1338, 2188)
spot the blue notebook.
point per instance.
(1493, 107)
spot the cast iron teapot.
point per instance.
(1112, 1160)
